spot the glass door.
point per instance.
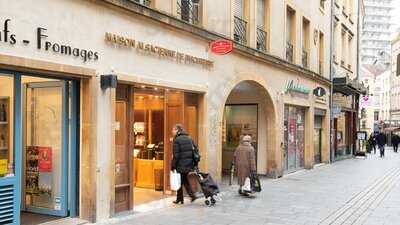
(45, 155)
(294, 138)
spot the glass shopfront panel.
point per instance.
(294, 137)
(6, 125)
(239, 120)
(36, 124)
(43, 143)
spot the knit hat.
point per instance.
(247, 138)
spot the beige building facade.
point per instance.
(347, 88)
(278, 71)
(395, 82)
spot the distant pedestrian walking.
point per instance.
(395, 142)
(381, 140)
(244, 161)
(372, 142)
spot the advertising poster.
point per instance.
(3, 167)
(45, 159)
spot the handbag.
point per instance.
(175, 180)
(247, 185)
(255, 183)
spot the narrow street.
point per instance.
(354, 191)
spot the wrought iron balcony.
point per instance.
(189, 11)
(261, 40)
(240, 30)
(289, 52)
(304, 58)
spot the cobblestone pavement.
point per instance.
(354, 191)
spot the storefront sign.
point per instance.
(366, 101)
(156, 50)
(361, 135)
(45, 159)
(221, 47)
(43, 43)
(292, 87)
(343, 100)
(319, 91)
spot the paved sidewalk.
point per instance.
(354, 191)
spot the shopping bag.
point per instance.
(255, 183)
(175, 180)
(247, 185)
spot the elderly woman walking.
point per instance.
(244, 161)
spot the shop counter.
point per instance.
(144, 172)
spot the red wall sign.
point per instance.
(45, 159)
(221, 47)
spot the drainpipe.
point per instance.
(331, 79)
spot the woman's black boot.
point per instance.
(178, 202)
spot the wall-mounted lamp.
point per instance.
(108, 81)
(316, 36)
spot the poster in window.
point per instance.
(45, 159)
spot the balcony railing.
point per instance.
(349, 66)
(240, 30)
(342, 63)
(261, 40)
(304, 58)
(188, 10)
(289, 52)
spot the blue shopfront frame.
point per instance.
(11, 187)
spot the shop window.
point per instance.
(7, 162)
(190, 11)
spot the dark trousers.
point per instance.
(184, 182)
(382, 150)
(395, 147)
(374, 146)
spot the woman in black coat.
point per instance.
(182, 160)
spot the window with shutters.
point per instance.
(190, 11)
(240, 23)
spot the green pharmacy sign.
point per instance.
(292, 87)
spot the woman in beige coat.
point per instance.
(244, 161)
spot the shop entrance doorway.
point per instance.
(294, 138)
(39, 135)
(145, 116)
(248, 110)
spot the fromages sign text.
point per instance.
(44, 43)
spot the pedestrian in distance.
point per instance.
(381, 140)
(182, 160)
(395, 142)
(244, 161)
(372, 142)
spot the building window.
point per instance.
(321, 54)
(343, 48)
(261, 27)
(376, 116)
(144, 2)
(190, 11)
(306, 43)
(240, 24)
(290, 33)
